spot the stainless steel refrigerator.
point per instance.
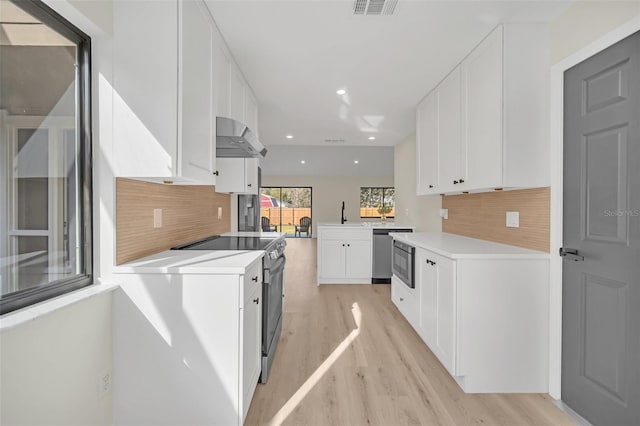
(249, 209)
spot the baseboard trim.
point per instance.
(580, 421)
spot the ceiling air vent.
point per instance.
(334, 140)
(374, 7)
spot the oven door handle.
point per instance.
(275, 267)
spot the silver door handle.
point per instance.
(571, 254)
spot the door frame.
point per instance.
(281, 187)
(556, 179)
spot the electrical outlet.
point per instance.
(513, 219)
(444, 213)
(157, 218)
(104, 383)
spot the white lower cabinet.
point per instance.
(344, 257)
(407, 300)
(251, 327)
(485, 319)
(187, 347)
(437, 313)
(334, 258)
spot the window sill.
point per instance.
(30, 313)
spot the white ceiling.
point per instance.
(296, 54)
(285, 160)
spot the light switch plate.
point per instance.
(444, 213)
(219, 213)
(513, 219)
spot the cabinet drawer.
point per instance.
(407, 300)
(252, 279)
(353, 235)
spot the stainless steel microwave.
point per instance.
(403, 263)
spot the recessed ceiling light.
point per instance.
(302, 161)
(372, 138)
(355, 161)
(341, 92)
(289, 136)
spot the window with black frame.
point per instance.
(376, 202)
(45, 155)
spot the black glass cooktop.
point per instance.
(218, 242)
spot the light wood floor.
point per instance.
(347, 357)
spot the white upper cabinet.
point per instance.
(236, 94)
(441, 156)
(237, 175)
(221, 68)
(482, 88)
(491, 115)
(427, 145)
(451, 156)
(196, 118)
(172, 75)
(251, 111)
(145, 95)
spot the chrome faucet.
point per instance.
(343, 219)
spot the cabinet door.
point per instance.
(238, 175)
(145, 83)
(332, 259)
(445, 344)
(427, 146)
(482, 73)
(251, 175)
(197, 120)
(427, 276)
(251, 345)
(231, 175)
(236, 94)
(221, 68)
(407, 301)
(451, 155)
(358, 259)
(250, 111)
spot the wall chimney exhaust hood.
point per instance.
(235, 140)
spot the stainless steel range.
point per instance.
(273, 264)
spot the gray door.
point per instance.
(601, 294)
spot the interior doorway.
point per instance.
(287, 209)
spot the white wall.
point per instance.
(329, 192)
(327, 160)
(421, 212)
(584, 22)
(50, 367)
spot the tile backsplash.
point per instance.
(483, 216)
(185, 213)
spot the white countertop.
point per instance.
(260, 234)
(367, 225)
(193, 262)
(459, 247)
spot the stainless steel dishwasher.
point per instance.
(382, 248)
